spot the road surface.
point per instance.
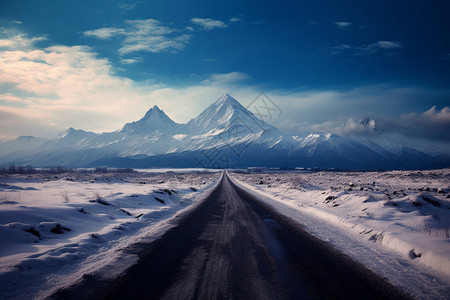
(233, 247)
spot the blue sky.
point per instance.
(95, 65)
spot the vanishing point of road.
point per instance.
(234, 247)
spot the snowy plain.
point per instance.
(396, 223)
(55, 228)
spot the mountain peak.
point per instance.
(70, 131)
(154, 120)
(368, 122)
(226, 112)
(227, 100)
(155, 110)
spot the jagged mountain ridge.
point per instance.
(225, 134)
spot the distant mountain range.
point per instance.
(224, 135)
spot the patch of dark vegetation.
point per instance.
(433, 201)
(413, 254)
(329, 199)
(13, 169)
(102, 202)
(58, 229)
(34, 232)
(160, 200)
(125, 211)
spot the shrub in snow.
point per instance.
(25, 227)
(65, 197)
(52, 227)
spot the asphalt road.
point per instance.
(233, 247)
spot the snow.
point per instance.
(396, 223)
(56, 228)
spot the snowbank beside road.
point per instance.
(373, 217)
(55, 229)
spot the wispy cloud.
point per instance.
(208, 24)
(369, 48)
(235, 19)
(226, 78)
(17, 41)
(128, 6)
(340, 48)
(8, 97)
(105, 33)
(148, 35)
(129, 61)
(17, 22)
(343, 25)
(384, 45)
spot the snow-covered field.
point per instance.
(55, 228)
(396, 222)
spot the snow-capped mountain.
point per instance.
(154, 121)
(225, 134)
(223, 114)
(20, 144)
(226, 123)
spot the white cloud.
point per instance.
(432, 124)
(154, 43)
(180, 137)
(343, 25)
(226, 78)
(67, 86)
(340, 48)
(51, 89)
(105, 33)
(8, 97)
(60, 87)
(378, 46)
(17, 41)
(128, 6)
(148, 35)
(235, 19)
(129, 61)
(369, 48)
(386, 45)
(17, 22)
(208, 24)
